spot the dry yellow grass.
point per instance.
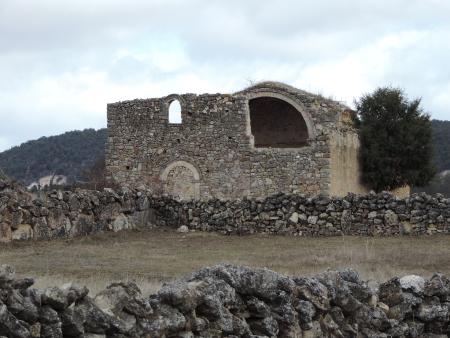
(152, 257)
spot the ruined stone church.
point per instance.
(265, 139)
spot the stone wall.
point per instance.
(344, 164)
(213, 154)
(295, 214)
(82, 212)
(62, 214)
(231, 301)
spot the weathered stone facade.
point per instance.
(266, 139)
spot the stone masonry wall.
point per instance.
(62, 214)
(211, 154)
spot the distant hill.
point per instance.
(441, 137)
(441, 140)
(68, 154)
(71, 153)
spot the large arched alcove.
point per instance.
(275, 123)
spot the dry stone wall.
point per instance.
(295, 214)
(231, 301)
(62, 214)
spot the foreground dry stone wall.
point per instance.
(76, 213)
(231, 301)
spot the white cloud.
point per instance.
(360, 70)
(62, 61)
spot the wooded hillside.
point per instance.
(441, 140)
(67, 154)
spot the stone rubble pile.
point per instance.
(231, 301)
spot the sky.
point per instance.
(61, 62)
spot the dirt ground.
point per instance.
(152, 257)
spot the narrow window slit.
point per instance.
(175, 112)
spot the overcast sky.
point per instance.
(62, 61)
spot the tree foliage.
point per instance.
(3, 177)
(396, 140)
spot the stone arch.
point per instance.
(167, 102)
(269, 93)
(181, 180)
(174, 114)
(275, 123)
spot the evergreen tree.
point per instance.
(396, 140)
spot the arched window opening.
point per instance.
(175, 112)
(276, 124)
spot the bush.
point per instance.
(396, 140)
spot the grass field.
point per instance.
(152, 257)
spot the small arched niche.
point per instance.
(275, 123)
(181, 180)
(175, 112)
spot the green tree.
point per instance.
(3, 177)
(396, 140)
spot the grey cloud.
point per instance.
(225, 43)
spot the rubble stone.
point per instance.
(232, 301)
(83, 212)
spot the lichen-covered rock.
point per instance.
(438, 285)
(12, 327)
(61, 298)
(414, 283)
(124, 302)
